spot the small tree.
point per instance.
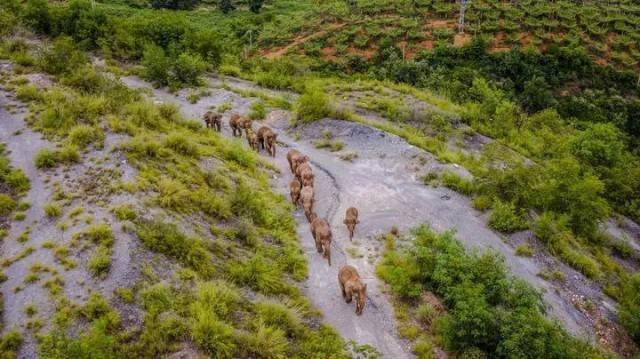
(226, 6)
(255, 5)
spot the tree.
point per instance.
(255, 5)
(36, 15)
(599, 145)
(629, 309)
(226, 6)
(174, 4)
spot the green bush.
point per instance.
(156, 65)
(17, 181)
(489, 312)
(83, 135)
(187, 69)
(7, 204)
(505, 218)
(28, 93)
(100, 234)
(180, 144)
(455, 182)
(212, 335)
(37, 16)
(629, 306)
(62, 57)
(52, 210)
(482, 202)
(312, 105)
(167, 239)
(69, 154)
(46, 158)
(258, 111)
(100, 262)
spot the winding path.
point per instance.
(384, 183)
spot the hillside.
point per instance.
(495, 172)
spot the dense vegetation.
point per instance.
(566, 127)
(233, 292)
(488, 312)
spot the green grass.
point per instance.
(52, 210)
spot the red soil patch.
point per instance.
(525, 38)
(441, 24)
(426, 44)
(329, 54)
(277, 52)
(367, 54)
(498, 45)
(460, 40)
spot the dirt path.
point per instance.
(384, 184)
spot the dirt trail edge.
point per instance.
(383, 182)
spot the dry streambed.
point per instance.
(383, 180)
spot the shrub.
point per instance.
(46, 158)
(280, 316)
(100, 234)
(124, 212)
(69, 154)
(490, 313)
(218, 297)
(524, 250)
(312, 105)
(10, 343)
(187, 69)
(37, 16)
(7, 204)
(258, 111)
(52, 210)
(455, 182)
(28, 93)
(167, 239)
(156, 65)
(207, 44)
(175, 4)
(100, 262)
(212, 335)
(83, 135)
(505, 218)
(266, 342)
(62, 57)
(258, 273)
(173, 195)
(17, 181)
(180, 144)
(629, 307)
(157, 298)
(482, 202)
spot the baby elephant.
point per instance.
(321, 233)
(245, 123)
(294, 189)
(351, 285)
(351, 219)
(235, 122)
(306, 198)
(268, 140)
(252, 139)
(213, 120)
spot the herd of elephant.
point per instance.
(302, 192)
